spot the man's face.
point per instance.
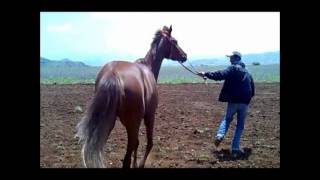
(233, 59)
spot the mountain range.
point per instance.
(262, 58)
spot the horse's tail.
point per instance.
(94, 128)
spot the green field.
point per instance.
(262, 73)
(168, 74)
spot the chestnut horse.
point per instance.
(127, 90)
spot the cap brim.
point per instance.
(233, 55)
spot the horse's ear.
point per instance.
(170, 29)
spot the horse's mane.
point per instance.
(156, 38)
(154, 43)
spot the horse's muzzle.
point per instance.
(183, 59)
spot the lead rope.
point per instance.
(194, 71)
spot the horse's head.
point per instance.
(168, 45)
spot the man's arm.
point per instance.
(218, 75)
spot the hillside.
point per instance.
(263, 58)
(62, 63)
(67, 71)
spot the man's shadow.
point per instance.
(225, 154)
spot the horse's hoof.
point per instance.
(135, 165)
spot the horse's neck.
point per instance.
(153, 62)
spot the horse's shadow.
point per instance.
(225, 154)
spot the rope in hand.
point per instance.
(196, 73)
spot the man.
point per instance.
(237, 90)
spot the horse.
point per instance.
(126, 91)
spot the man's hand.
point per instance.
(202, 74)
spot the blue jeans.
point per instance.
(232, 108)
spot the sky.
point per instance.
(98, 37)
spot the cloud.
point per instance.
(59, 28)
(98, 15)
(203, 34)
(124, 35)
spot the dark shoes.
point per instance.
(217, 141)
(237, 154)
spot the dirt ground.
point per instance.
(187, 118)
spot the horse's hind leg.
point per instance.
(133, 143)
(135, 165)
(149, 121)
